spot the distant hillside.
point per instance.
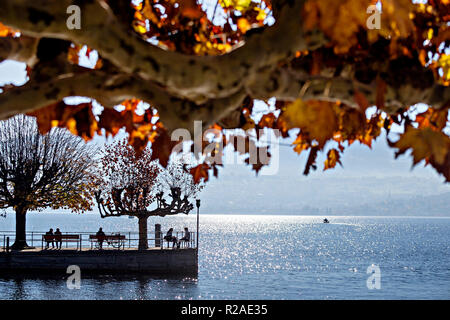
(393, 196)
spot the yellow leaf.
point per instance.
(243, 25)
(240, 5)
(317, 118)
(333, 158)
(444, 63)
(261, 14)
(341, 20)
(139, 28)
(301, 143)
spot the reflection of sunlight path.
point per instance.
(345, 224)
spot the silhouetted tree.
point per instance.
(129, 183)
(41, 171)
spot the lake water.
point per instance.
(268, 257)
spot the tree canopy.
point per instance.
(42, 171)
(129, 184)
(319, 64)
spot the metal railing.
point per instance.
(83, 241)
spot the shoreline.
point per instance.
(91, 214)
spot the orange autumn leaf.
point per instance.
(301, 143)
(333, 158)
(200, 172)
(434, 119)
(6, 31)
(73, 53)
(78, 119)
(162, 147)
(317, 118)
(371, 130)
(267, 121)
(243, 25)
(191, 10)
(330, 16)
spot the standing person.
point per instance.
(100, 237)
(49, 238)
(58, 238)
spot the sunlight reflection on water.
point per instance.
(272, 257)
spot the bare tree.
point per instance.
(130, 183)
(41, 171)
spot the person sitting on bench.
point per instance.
(58, 238)
(187, 236)
(49, 239)
(100, 237)
(170, 238)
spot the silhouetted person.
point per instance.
(170, 238)
(186, 237)
(58, 238)
(326, 220)
(49, 238)
(100, 237)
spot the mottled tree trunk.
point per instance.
(21, 240)
(143, 243)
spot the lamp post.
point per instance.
(197, 202)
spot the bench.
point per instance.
(179, 241)
(116, 240)
(170, 239)
(186, 243)
(61, 238)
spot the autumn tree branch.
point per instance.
(195, 78)
(178, 204)
(110, 90)
(183, 87)
(286, 85)
(22, 49)
(115, 208)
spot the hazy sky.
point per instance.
(367, 176)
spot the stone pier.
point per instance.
(153, 261)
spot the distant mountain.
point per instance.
(435, 206)
(432, 206)
(386, 196)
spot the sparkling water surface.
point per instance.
(267, 257)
